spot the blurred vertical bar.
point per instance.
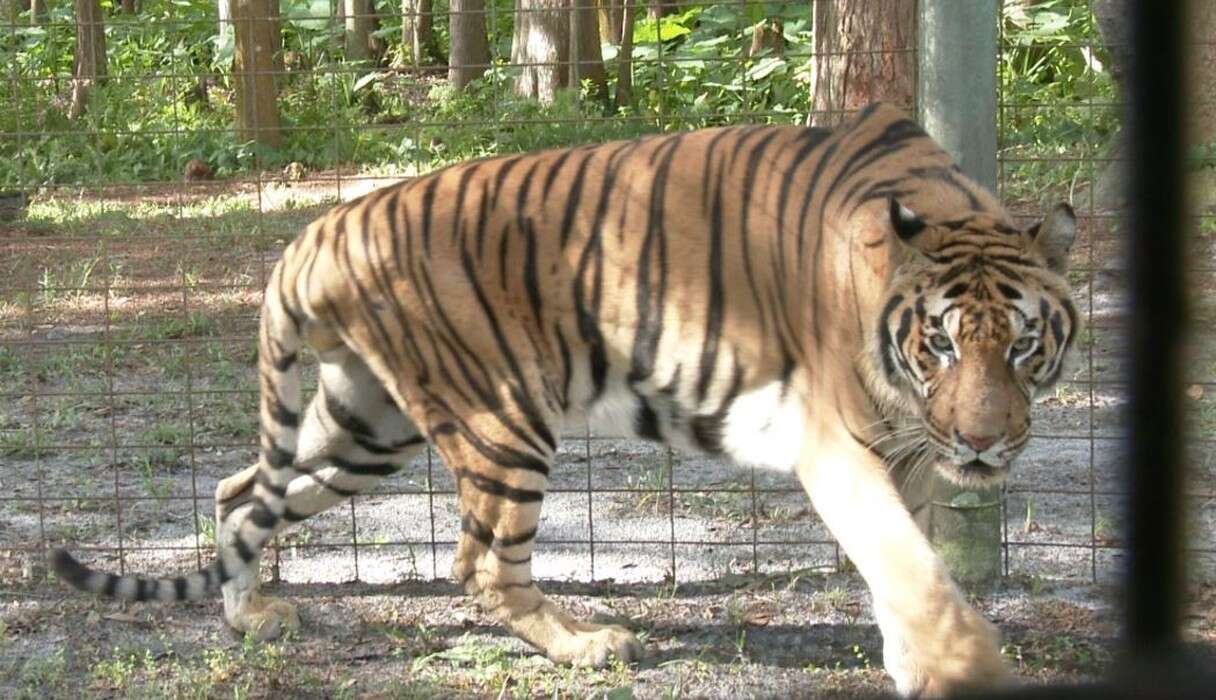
(1157, 331)
(956, 81)
(956, 103)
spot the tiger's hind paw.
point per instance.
(595, 646)
(266, 618)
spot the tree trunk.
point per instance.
(611, 18)
(470, 53)
(863, 54)
(257, 33)
(590, 66)
(417, 30)
(89, 64)
(38, 12)
(657, 8)
(356, 15)
(128, 7)
(541, 47)
(10, 10)
(624, 59)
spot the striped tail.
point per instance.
(242, 542)
(196, 586)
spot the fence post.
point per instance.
(956, 103)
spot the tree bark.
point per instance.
(89, 64)
(863, 54)
(38, 12)
(624, 60)
(257, 33)
(356, 15)
(128, 7)
(10, 11)
(470, 53)
(611, 18)
(541, 47)
(417, 30)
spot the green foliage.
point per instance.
(1059, 97)
(698, 74)
(169, 97)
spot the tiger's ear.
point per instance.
(1053, 236)
(910, 233)
(905, 222)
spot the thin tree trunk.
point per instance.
(863, 54)
(417, 30)
(257, 110)
(624, 60)
(611, 14)
(128, 7)
(470, 53)
(10, 10)
(38, 12)
(590, 59)
(356, 15)
(89, 64)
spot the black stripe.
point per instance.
(472, 527)
(276, 456)
(262, 516)
(652, 262)
(714, 314)
(293, 517)
(884, 334)
(428, 210)
(141, 589)
(513, 540)
(345, 418)
(530, 276)
(181, 588)
(956, 290)
(1010, 293)
(279, 413)
(111, 585)
(378, 469)
(263, 480)
(646, 421)
(494, 487)
(283, 363)
(242, 549)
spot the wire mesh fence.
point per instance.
(144, 228)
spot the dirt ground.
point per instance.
(126, 324)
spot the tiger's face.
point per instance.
(976, 324)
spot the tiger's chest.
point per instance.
(760, 427)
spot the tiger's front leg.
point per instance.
(500, 507)
(934, 643)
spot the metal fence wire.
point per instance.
(130, 279)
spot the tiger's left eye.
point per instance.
(941, 343)
(1023, 345)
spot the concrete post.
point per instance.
(956, 103)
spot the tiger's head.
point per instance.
(976, 322)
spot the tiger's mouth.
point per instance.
(973, 474)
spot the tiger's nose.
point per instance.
(977, 442)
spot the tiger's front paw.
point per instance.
(265, 618)
(968, 660)
(595, 645)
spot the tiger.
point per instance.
(838, 304)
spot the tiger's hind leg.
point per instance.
(502, 472)
(352, 435)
